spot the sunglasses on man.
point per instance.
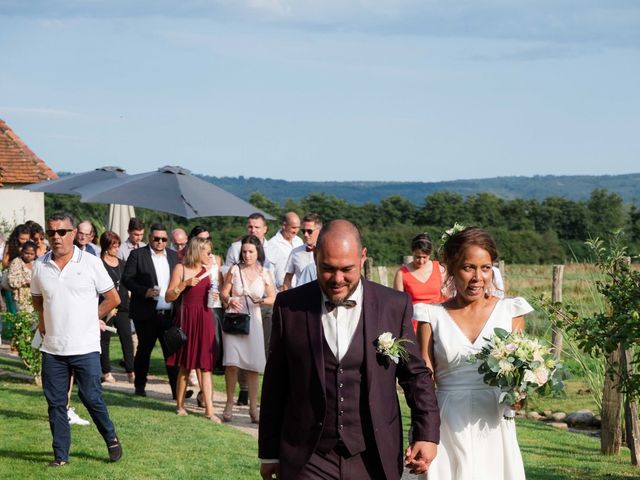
(60, 231)
(308, 231)
(160, 239)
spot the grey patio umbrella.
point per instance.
(170, 189)
(69, 183)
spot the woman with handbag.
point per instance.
(247, 286)
(190, 281)
(119, 317)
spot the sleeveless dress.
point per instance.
(476, 442)
(422, 292)
(197, 323)
(247, 351)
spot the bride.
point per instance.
(476, 441)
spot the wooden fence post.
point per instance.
(368, 268)
(383, 275)
(611, 434)
(503, 273)
(632, 430)
(556, 297)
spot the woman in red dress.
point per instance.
(191, 281)
(423, 278)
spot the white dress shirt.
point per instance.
(163, 273)
(340, 325)
(277, 249)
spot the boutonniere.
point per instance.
(392, 348)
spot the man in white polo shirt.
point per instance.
(65, 286)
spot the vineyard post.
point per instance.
(368, 268)
(611, 434)
(556, 297)
(632, 429)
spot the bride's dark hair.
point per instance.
(455, 246)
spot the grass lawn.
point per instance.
(156, 443)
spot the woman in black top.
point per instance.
(118, 317)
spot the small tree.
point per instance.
(615, 333)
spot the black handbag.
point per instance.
(174, 338)
(237, 323)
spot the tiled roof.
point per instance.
(18, 164)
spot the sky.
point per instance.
(322, 90)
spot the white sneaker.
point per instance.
(74, 419)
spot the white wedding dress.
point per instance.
(476, 442)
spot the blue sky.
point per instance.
(404, 90)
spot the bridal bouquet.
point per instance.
(520, 366)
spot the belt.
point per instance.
(164, 311)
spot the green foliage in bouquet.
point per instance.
(520, 366)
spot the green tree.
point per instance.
(606, 213)
(443, 209)
(397, 209)
(258, 200)
(486, 210)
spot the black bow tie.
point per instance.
(330, 306)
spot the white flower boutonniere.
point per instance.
(390, 347)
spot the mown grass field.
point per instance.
(160, 445)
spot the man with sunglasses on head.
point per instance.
(302, 256)
(146, 275)
(65, 286)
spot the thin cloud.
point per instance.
(43, 112)
(610, 23)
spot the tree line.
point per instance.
(527, 230)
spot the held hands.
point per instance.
(419, 456)
(268, 471)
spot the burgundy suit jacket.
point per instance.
(293, 401)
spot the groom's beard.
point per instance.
(339, 298)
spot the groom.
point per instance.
(329, 402)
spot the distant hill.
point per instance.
(572, 187)
(539, 187)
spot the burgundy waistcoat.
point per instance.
(347, 408)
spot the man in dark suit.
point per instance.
(329, 402)
(146, 275)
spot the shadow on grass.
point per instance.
(128, 400)
(29, 456)
(23, 415)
